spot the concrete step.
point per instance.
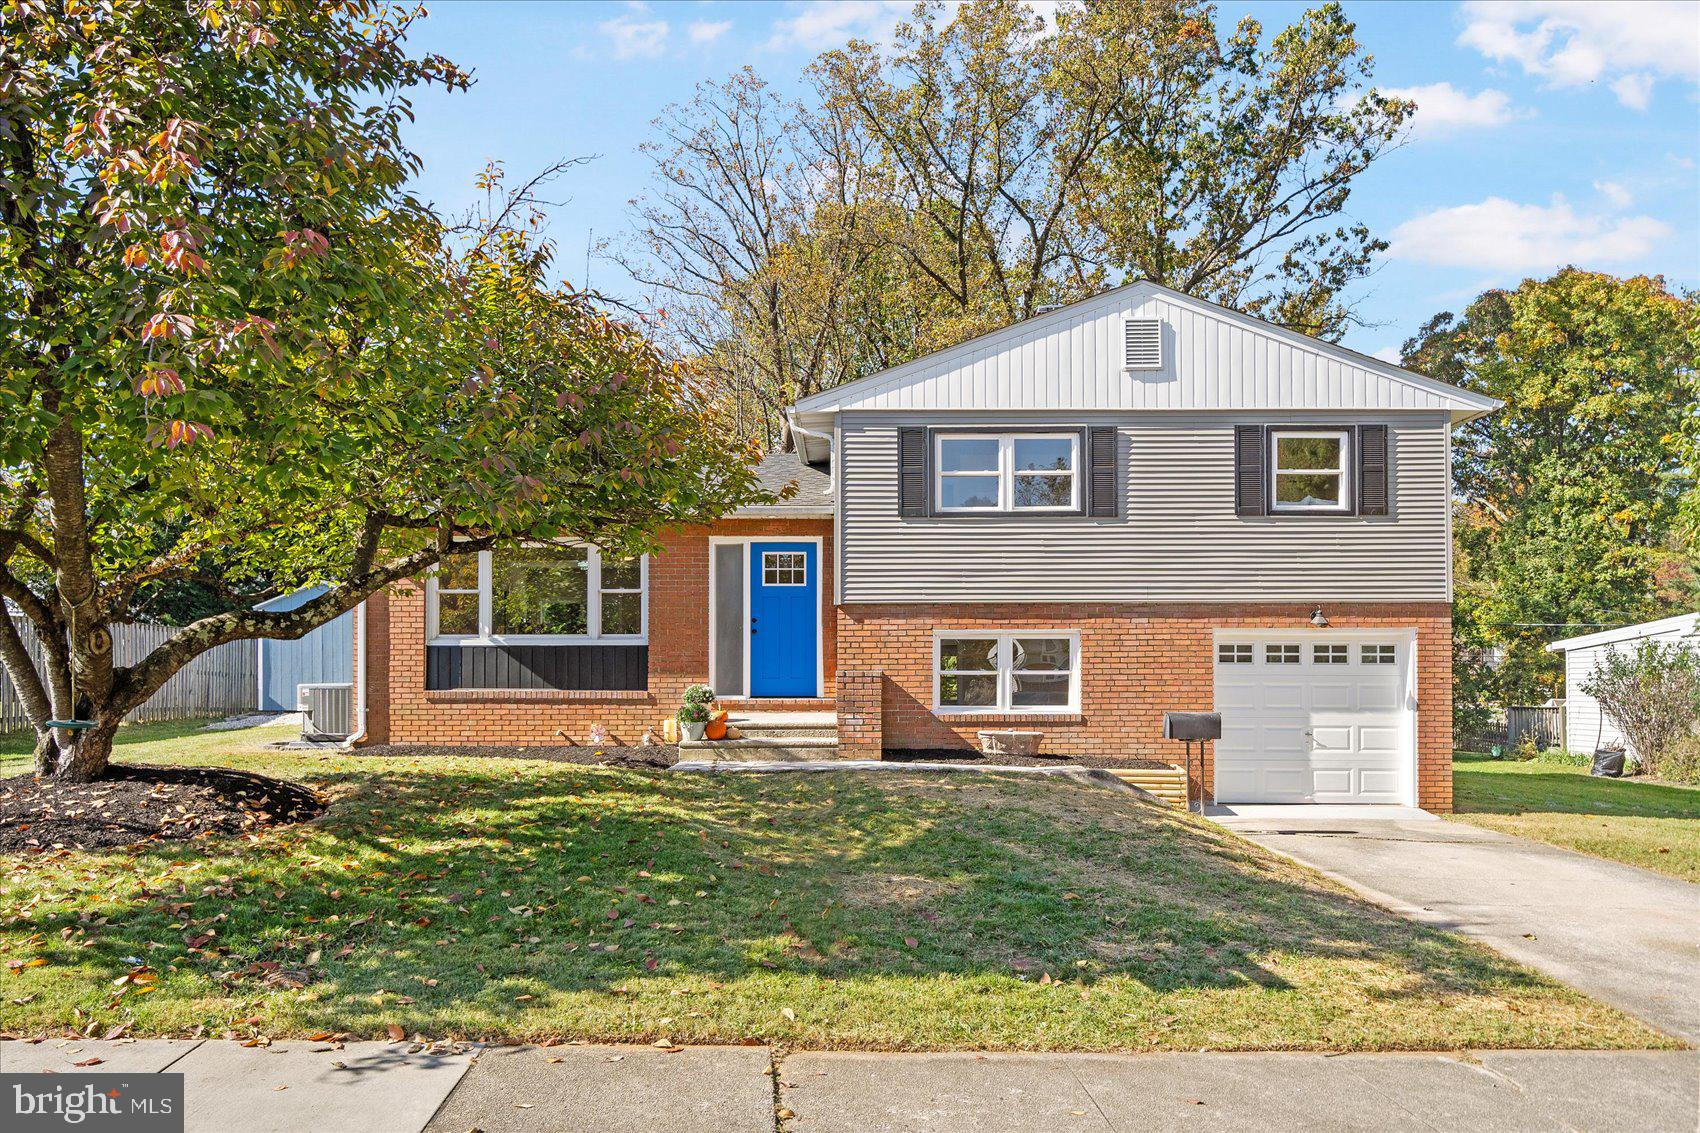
(785, 725)
(787, 747)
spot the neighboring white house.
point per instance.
(1586, 728)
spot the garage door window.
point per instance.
(1281, 654)
(1234, 654)
(1016, 672)
(1378, 654)
(1330, 654)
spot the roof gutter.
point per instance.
(832, 463)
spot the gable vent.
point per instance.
(1144, 344)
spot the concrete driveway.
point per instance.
(1623, 935)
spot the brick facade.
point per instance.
(1136, 661)
(400, 709)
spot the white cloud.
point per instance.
(1442, 108)
(707, 31)
(1571, 42)
(1391, 355)
(1634, 91)
(1615, 193)
(822, 24)
(1501, 235)
(634, 37)
(818, 25)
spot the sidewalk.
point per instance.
(300, 1087)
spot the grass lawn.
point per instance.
(462, 897)
(1652, 825)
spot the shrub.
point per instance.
(1681, 762)
(1564, 757)
(1651, 694)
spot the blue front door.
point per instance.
(784, 610)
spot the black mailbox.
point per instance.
(1192, 725)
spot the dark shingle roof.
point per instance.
(814, 486)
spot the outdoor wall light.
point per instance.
(1318, 618)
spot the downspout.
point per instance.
(359, 732)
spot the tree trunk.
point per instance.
(76, 757)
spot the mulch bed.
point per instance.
(969, 758)
(657, 757)
(141, 803)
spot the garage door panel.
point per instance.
(1313, 733)
(1381, 697)
(1333, 696)
(1379, 738)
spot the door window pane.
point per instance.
(784, 568)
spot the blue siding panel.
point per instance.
(324, 656)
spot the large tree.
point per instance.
(1569, 497)
(988, 164)
(232, 342)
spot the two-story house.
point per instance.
(1136, 503)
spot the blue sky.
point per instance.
(1549, 131)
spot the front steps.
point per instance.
(789, 737)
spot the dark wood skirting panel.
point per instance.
(575, 667)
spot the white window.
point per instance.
(1234, 654)
(1308, 467)
(1330, 654)
(537, 594)
(1029, 671)
(784, 568)
(1280, 654)
(1006, 472)
(1378, 654)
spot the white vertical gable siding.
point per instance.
(1074, 359)
(1176, 537)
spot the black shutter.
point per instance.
(1372, 470)
(1251, 462)
(1101, 460)
(912, 472)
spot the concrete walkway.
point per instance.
(299, 1087)
(1623, 935)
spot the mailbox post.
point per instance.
(1191, 728)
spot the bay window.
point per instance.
(1025, 671)
(537, 594)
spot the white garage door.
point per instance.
(1317, 719)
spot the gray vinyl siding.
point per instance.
(1176, 537)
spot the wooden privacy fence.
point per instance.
(1541, 723)
(219, 682)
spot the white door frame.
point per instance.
(713, 589)
(1405, 636)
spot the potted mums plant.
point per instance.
(694, 713)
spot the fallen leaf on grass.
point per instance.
(788, 1013)
(396, 1033)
